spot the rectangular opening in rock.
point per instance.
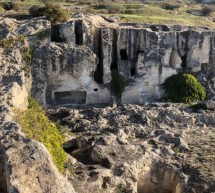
(70, 97)
(78, 32)
(123, 54)
(55, 33)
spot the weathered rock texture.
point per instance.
(25, 165)
(75, 67)
(130, 149)
(156, 148)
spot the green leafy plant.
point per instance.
(183, 87)
(36, 125)
(117, 84)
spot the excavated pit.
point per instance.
(3, 181)
(158, 179)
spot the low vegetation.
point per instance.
(184, 88)
(117, 84)
(36, 125)
(54, 13)
(9, 5)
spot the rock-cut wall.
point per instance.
(75, 65)
(25, 165)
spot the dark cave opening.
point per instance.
(98, 74)
(184, 62)
(123, 54)
(55, 33)
(3, 181)
(78, 32)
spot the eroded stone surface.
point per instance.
(115, 148)
(25, 165)
(140, 149)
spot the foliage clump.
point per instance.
(54, 13)
(183, 87)
(117, 84)
(36, 125)
(9, 5)
(169, 6)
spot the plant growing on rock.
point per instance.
(183, 87)
(117, 84)
(36, 125)
(54, 13)
(9, 5)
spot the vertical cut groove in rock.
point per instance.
(98, 75)
(114, 62)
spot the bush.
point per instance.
(183, 88)
(169, 6)
(54, 13)
(115, 8)
(36, 125)
(9, 5)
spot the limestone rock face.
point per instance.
(144, 54)
(157, 148)
(25, 165)
(139, 149)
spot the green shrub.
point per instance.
(183, 87)
(9, 5)
(36, 125)
(54, 13)
(117, 84)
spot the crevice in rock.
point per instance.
(78, 32)
(114, 62)
(98, 74)
(55, 33)
(159, 179)
(3, 181)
